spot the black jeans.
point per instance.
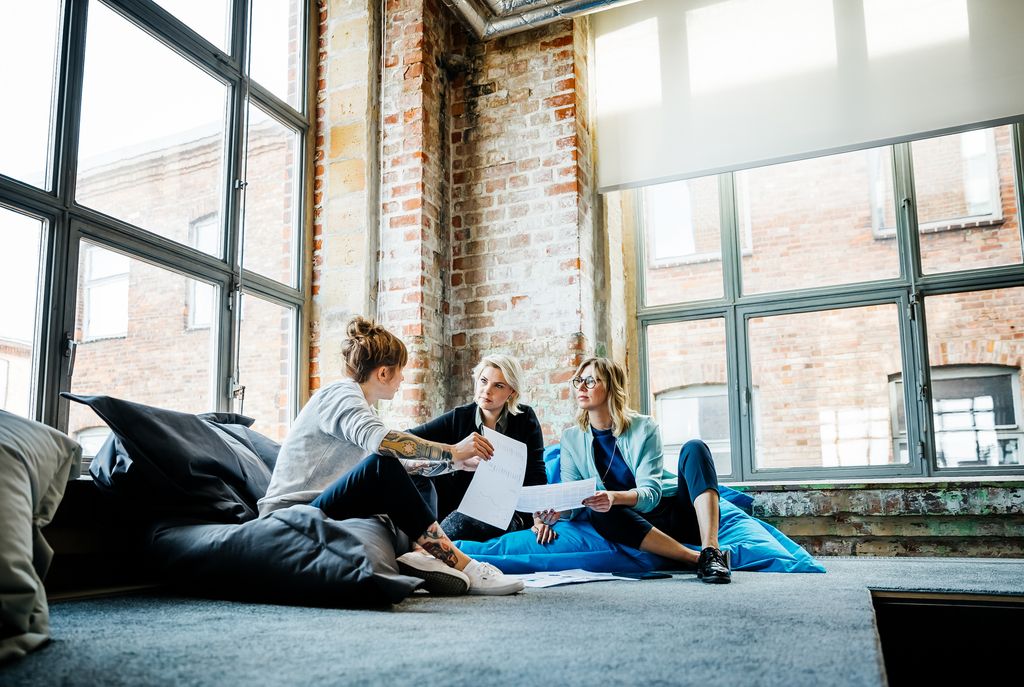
(378, 485)
(674, 515)
(459, 526)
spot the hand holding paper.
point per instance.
(491, 496)
(557, 497)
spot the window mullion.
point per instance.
(913, 331)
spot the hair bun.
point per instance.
(359, 327)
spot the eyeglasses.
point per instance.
(587, 382)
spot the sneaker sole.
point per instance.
(496, 591)
(437, 583)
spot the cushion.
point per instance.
(36, 462)
(754, 545)
(293, 555)
(210, 468)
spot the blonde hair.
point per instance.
(513, 372)
(370, 346)
(614, 378)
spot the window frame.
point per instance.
(906, 291)
(68, 223)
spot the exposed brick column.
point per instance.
(345, 212)
(524, 267)
(415, 251)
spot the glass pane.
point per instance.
(818, 222)
(147, 353)
(686, 364)
(682, 233)
(265, 365)
(209, 18)
(28, 51)
(20, 258)
(821, 388)
(271, 197)
(976, 349)
(151, 150)
(276, 61)
(966, 200)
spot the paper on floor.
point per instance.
(576, 576)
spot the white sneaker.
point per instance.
(485, 579)
(438, 578)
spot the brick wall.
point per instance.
(523, 261)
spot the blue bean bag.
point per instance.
(754, 545)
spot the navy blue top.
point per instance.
(614, 472)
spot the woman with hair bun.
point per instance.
(638, 503)
(324, 462)
(498, 384)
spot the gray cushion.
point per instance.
(293, 555)
(36, 462)
(168, 464)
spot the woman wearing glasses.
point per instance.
(498, 381)
(638, 503)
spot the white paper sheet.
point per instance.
(576, 576)
(492, 494)
(559, 497)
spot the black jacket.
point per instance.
(456, 425)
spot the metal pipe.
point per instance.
(520, 15)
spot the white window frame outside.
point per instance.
(878, 200)
(196, 239)
(90, 437)
(651, 229)
(721, 449)
(947, 372)
(89, 284)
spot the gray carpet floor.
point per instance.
(763, 629)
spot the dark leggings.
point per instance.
(378, 485)
(459, 526)
(674, 515)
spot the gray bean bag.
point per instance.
(197, 478)
(36, 462)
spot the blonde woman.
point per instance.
(498, 385)
(323, 463)
(637, 502)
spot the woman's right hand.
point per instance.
(545, 533)
(547, 517)
(473, 446)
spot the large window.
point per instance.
(862, 317)
(151, 183)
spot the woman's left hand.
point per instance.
(601, 502)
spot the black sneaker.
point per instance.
(713, 567)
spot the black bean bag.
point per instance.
(197, 478)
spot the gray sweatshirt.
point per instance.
(335, 431)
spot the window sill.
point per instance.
(1010, 481)
(960, 224)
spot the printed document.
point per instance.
(559, 497)
(492, 494)
(576, 576)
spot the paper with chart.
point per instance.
(558, 497)
(492, 494)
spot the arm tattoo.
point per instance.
(419, 456)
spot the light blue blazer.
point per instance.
(639, 446)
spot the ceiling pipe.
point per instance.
(522, 14)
